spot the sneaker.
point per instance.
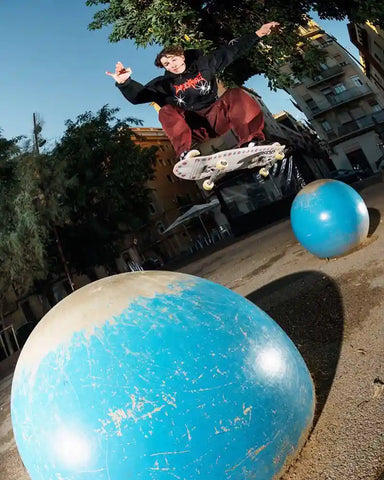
(183, 155)
(254, 143)
(188, 154)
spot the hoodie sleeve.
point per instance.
(137, 93)
(219, 59)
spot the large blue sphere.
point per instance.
(329, 218)
(158, 375)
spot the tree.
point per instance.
(107, 198)
(208, 23)
(29, 190)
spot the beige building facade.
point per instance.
(369, 40)
(170, 197)
(343, 106)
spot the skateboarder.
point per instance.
(190, 109)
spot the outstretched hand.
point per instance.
(267, 29)
(121, 74)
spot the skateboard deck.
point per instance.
(209, 167)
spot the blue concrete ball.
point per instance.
(157, 375)
(329, 218)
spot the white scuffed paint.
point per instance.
(90, 308)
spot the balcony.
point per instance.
(360, 125)
(326, 75)
(336, 100)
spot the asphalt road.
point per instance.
(333, 311)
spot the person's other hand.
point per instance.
(121, 74)
(267, 29)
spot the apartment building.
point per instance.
(369, 40)
(170, 197)
(343, 106)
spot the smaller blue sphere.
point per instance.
(329, 218)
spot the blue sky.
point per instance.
(53, 65)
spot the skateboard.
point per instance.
(209, 167)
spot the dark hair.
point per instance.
(173, 50)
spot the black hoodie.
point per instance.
(195, 88)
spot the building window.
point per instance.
(326, 126)
(328, 93)
(358, 160)
(374, 105)
(339, 88)
(312, 105)
(356, 81)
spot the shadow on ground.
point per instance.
(374, 220)
(308, 307)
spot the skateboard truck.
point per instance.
(209, 183)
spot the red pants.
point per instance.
(234, 110)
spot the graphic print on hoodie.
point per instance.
(199, 83)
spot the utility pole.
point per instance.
(36, 148)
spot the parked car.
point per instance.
(349, 176)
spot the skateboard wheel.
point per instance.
(279, 155)
(221, 164)
(192, 153)
(264, 172)
(208, 185)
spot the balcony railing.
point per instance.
(339, 99)
(326, 75)
(357, 125)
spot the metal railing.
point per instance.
(357, 125)
(326, 75)
(8, 334)
(340, 98)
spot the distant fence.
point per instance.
(8, 342)
(134, 267)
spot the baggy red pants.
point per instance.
(235, 110)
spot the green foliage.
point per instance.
(29, 190)
(207, 24)
(356, 11)
(83, 196)
(108, 197)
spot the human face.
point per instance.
(173, 63)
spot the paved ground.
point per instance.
(333, 311)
